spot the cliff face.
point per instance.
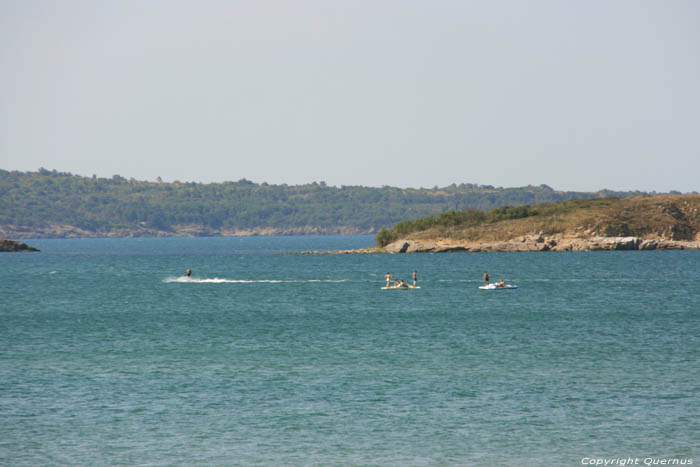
(641, 223)
(13, 246)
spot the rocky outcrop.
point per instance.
(541, 242)
(14, 246)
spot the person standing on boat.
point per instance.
(415, 278)
(486, 278)
(388, 279)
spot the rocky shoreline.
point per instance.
(530, 243)
(541, 242)
(186, 230)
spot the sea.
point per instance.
(109, 356)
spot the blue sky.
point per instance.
(578, 95)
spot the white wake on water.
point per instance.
(217, 280)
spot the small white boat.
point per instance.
(496, 287)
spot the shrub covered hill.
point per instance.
(633, 223)
(55, 204)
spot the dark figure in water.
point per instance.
(486, 278)
(188, 273)
(415, 278)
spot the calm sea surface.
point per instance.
(107, 357)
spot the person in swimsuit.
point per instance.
(188, 273)
(396, 283)
(486, 278)
(501, 284)
(388, 279)
(415, 278)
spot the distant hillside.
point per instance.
(54, 204)
(642, 222)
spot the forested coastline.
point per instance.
(48, 203)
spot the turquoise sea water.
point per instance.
(106, 357)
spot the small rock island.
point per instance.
(12, 246)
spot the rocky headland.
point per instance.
(639, 223)
(12, 246)
(670, 222)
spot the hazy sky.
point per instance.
(580, 95)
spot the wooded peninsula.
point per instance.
(464, 217)
(53, 204)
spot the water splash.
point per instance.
(217, 280)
